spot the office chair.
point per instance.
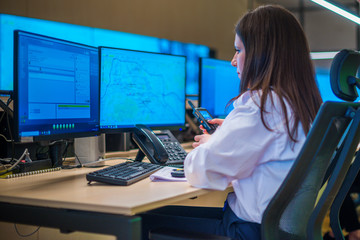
(344, 84)
(290, 212)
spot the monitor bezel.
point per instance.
(50, 137)
(154, 127)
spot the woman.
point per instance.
(256, 144)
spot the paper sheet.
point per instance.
(164, 174)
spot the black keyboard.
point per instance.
(123, 174)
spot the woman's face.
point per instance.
(239, 56)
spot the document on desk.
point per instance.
(164, 175)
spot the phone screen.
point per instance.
(163, 136)
(205, 114)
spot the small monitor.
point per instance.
(219, 83)
(56, 88)
(141, 88)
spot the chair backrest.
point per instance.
(289, 211)
(338, 176)
(344, 84)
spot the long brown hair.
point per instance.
(277, 58)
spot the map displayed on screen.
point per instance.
(141, 88)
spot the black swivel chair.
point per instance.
(290, 210)
(294, 213)
(344, 84)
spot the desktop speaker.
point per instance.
(118, 142)
(90, 150)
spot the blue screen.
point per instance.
(56, 88)
(323, 82)
(94, 37)
(141, 88)
(218, 84)
(205, 114)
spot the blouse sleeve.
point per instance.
(232, 152)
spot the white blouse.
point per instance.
(242, 152)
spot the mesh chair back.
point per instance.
(289, 211)
(344, 81)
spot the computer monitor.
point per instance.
(56, 88)
(219, 83)
(141, 88)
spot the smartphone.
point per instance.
(178, 173)
(203, 116)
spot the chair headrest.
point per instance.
(343, 74)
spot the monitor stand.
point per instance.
(90, 150)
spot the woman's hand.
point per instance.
(200, 139)
(218, 121)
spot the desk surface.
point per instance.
(69, 189)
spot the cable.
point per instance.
(26, 152)
(90, 166)
(9, 128)
(6, 108)
(116, 158)
(2, 116)
(73, 166)
(3, 136)
(64, 154)
(6, 111)
(57, 141)
(25, 235)
(77, 158)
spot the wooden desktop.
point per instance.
(64, 200)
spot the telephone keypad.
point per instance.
(175, 151)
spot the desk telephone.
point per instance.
(160, 147)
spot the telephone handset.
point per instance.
(160, 147)
(149, 145)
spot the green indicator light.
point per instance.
(73, 106)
